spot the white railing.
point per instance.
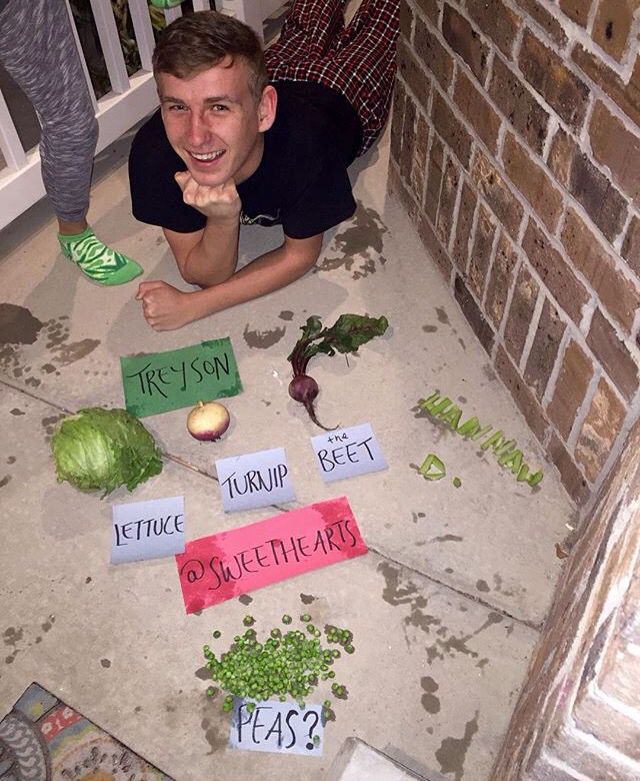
(131, 97)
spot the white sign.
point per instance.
(254, 480)
(347, 452)
(147, 530)
(280, 727)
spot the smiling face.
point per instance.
(215, 123)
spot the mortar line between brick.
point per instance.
(460, 592)
(583, 410)
(472, 232)
(510, 293)
(553, 377)
(619, 240)
(591, 18)
(492, 258)
(531, 333)
(455, 214)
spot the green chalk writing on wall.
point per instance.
(505, 450)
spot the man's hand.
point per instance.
(217, 203)
(164, 306)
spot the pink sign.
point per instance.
(216, 568)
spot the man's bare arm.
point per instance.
(209, 256)
(165, 307)
(206, 257)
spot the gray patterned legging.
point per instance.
(38, 50)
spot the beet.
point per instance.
(305, 389)
(345, 336)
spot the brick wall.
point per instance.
(578, 716)
(516, 152)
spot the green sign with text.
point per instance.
(159, 382)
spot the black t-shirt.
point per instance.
(301, 182)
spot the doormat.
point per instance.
(43, 739)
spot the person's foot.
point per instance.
(97, 261)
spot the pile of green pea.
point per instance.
(286, 665)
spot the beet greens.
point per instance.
(345, 336)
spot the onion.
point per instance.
(208, 421)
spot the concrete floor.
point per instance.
(446, 606)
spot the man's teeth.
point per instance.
(205, 156)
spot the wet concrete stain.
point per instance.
(5, 480)
(398, 592)
(11, 459)
(48, 624)
(482, 585)
(497, 584)
(419, 412)
(360, 244)
(20, 328)
(447, 538)
(70, 353)
(88, 579)
(16, 411)
(214, 737)
(430, 702)
(307, 599)
(106, 663)
(492, 618)
(488, 372)
(137, 709)
(261, 340)
(49, 424)
(462, 344)
(12, 636)
(440, 428)
(442, 316)
(415, 517)
(245, 599)
(462, 399)
(448, 570)
(203, 674)
(453, 751)
(18, 325)
(286, 314)
(429, 329)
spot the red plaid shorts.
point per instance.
(358, 61)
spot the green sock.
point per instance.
(97, 261)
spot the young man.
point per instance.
(264, 138)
